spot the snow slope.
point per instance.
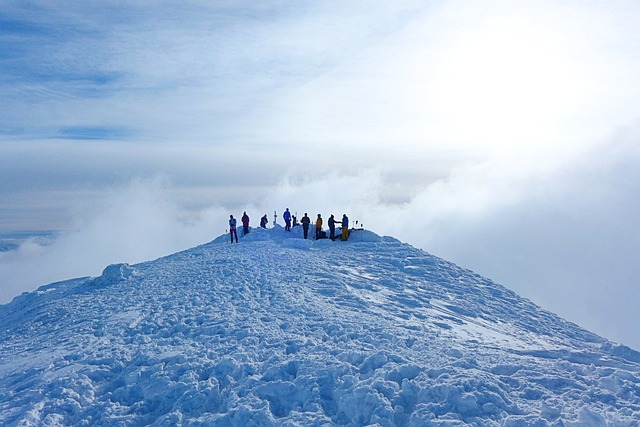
(283, 331)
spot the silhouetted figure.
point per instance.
(332, 227)
(264, 221)
(305, 225)
(245, 223)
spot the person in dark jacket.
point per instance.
(332, 227)
(305, 225)
(264, 221)
(245, 223)
(232, 228)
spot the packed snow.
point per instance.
(281, 331)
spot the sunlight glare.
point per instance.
(505, 87)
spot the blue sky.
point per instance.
(502, 136)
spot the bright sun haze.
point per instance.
(503, 84)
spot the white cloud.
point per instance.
(563, 233)
(130, 224)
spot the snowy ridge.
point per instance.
(278, 330)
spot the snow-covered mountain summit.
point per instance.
(278, 330)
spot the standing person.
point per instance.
(305, 224)
(318, 227)
(287, 220)
(264, 221)
(232, 228)
(245, 223)
(332, 227)
(345, 227)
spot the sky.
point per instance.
(502, 136)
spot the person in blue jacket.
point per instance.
(345, 227)
(287, 220)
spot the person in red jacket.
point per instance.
(245, 223)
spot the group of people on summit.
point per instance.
(320, 234)
(291, 220)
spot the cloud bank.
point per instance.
(564, 236)
(129, 224)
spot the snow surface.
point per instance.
(278, 330)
